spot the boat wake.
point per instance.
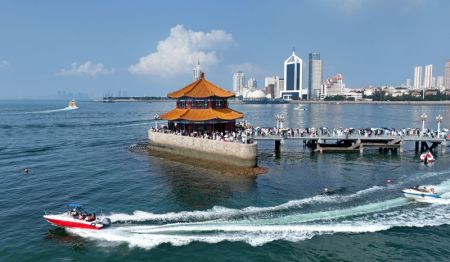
(42, 111)
(283, 222)
(256, 234)
(219, 212)
(52, 111)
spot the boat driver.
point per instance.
(74, 212)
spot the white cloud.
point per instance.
(177, 54)
(4, 64)
(88, 69)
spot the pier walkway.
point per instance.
(357, 143)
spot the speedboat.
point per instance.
(72, 105)
(420, 193)
(426, 157)
(77, 217)
(299, 108)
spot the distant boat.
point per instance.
(299, 108)
(72, 105)
(107, 100)
(426, 157)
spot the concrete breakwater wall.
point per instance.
(235, 154)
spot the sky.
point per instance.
(149, 48)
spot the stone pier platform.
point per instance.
(228, 153)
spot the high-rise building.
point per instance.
(417, 77)
(333, 86)
(293, 78)
(270, 80)
(275, 81)
(252, 84)
(269, 90)
(279, 88)
(238, 83)
(196, 71)
(447, 75)
(315, 76)
(427, 83)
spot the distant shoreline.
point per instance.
(447, 102)
(377, 102)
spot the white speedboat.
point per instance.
(299, 108)
(420, 193)
(72, 105)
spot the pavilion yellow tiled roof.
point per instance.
(201, 88)
(201, 114)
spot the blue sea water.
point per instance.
(163, 210)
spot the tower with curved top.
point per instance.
(293, 67)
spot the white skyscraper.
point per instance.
(427, 81)
(196, 72)
(293, 67)
(417, 77)
(447, 75)
(238, 83)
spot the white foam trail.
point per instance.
(40, 112)
(340, 213)
(286, 220)
(219, 212)
(185, 233)
(253, 235)
(50, 111)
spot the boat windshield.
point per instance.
(77, 209)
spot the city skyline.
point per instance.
(101, 47)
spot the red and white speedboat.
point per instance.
(426, 157)
(77, 217)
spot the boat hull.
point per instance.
(69, 222)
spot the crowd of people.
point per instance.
(238, 136)
(245, 134)
(346, 132)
